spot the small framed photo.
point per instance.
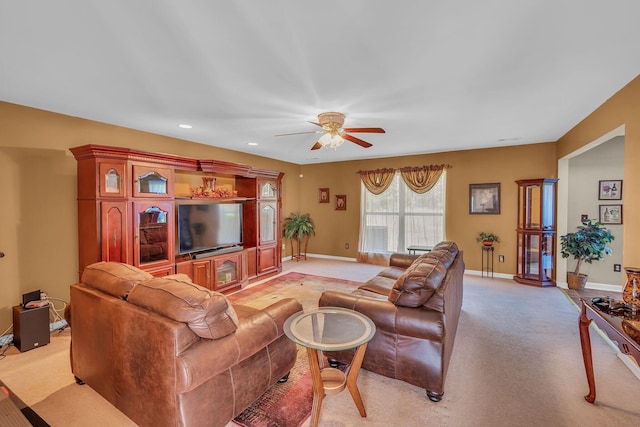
(611, 214)
(610, 189)
(341, 202)
(484, 198)
(323, 195)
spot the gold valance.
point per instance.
(419, 179)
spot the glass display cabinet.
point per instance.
(535, 260)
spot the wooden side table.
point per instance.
(331, 329)
(616, 327)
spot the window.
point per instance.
(399, 217)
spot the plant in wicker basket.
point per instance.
(588, 244)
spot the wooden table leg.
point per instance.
(352, 379)
(585, 342)
(318, 388)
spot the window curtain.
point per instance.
(377, 181)
(421, 179)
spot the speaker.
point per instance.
(30, 327)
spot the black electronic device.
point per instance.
(30, 296)
(204, 226)
(30, 327)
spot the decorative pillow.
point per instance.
(208, 313)
(114, 278)
(418, 283)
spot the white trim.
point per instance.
(563, 193)
(495, 275)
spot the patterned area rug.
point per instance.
(287, 404)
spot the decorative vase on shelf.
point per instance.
(631, 291)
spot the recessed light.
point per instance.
(252, 143)
(184, 126)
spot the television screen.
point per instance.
(208, 226)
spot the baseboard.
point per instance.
(495, 275)
(336, 258)
(60, 324)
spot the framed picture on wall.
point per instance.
(611, 214)
(610, 189)
(341, 202)
(323, 195)
(484, 198)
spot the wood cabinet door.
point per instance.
(112, 179)
(267, 190)
(154, 235)
(267, 259)
(114, 232)
(267, 222)
(228, 271)
(202, 273)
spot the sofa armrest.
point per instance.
(257, 329)
(401, 260)
(413, 322)
(281, 310)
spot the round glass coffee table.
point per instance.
(331, 329)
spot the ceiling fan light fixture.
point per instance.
(331, 141)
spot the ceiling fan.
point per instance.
(334, 134)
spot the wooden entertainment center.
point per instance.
(127, 212)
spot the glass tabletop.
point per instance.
(329, 328)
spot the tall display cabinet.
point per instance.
(536, 232)
(127, 213)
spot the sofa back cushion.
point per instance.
(114, 278)
(424, 276)
(208, 314)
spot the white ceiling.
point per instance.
(436, 75)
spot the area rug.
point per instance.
(287, 404)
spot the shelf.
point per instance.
(216, 199)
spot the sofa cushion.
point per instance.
(445, 244)
(114, 278)
(418, 283)
(208, 314)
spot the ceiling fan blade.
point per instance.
(299, 133)
(355, 140)
(365, 130)
(317, 124)
(316, 146)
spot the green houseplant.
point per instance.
(487, 239)
(298, 227)
(588, 244)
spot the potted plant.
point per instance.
(487, 239)
(588, 244)
(298, 227)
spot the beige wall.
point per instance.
(38, 189)
(503, 165)
(38, 219)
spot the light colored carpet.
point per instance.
(516, 362)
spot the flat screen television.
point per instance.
(204, 226)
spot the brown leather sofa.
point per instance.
(167, 352)
(415, 305)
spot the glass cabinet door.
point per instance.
(536, 231)
(267, 222)
(268, 190)
(152, 181)
(154, 233)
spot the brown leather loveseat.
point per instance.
(415, 305)
(167, 352)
